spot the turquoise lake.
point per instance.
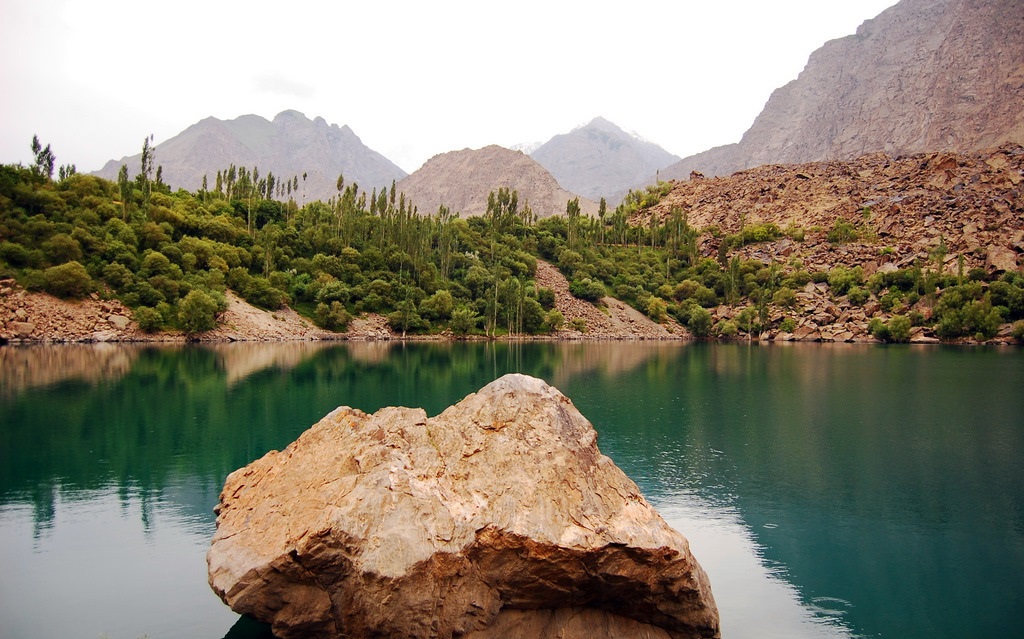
(828, 490)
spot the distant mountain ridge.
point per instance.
(289, 145)
(923, 76)
(599, 160)
(462, 180)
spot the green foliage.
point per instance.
(899, 328)
(657, 309)
(464, 321)
(587, 289)
(68, 280)
(842, 279)
(787, 325)
(727, 328)
(1018, 331)
(554, 320)
(842, 232)
(149, 319)
(784, 298)
(699, 322)
(197, 312)
(579, 324)
(858, 295)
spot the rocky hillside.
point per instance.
(290, 145)
(945, 213)
(462, 180)
(601, 160)
(925, 75)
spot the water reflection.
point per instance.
(828, 491)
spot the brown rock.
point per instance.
(498, 517)
(1000, 258)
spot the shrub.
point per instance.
(554, 320)
(842, 232)
(579, 324)
(463, 320)
(67, 280)
(148, 318)
(727, 328)
(700, 322)
(784, 298)
(879, 329)
(842, 279)
(587, 289)
(858, 295)
(899, 328)
(197, 312)
(656, 309)
(332, 317)
(546, 297)
(787, 325)
(1018, 331)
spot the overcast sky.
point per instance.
(412, 79)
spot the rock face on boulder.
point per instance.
(497, 518)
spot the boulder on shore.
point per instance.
(497, 518)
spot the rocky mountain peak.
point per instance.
(924, 75)
(599, 159)
(462, 180)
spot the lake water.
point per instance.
(828, 490)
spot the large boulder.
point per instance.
(497, 518)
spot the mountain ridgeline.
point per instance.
(290, 146)
(925, 75)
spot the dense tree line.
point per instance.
(170, 256)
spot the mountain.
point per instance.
(462, 180)
(288, 146)
(924, 75)
(601, 160)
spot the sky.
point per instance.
(412, 79)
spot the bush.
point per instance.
(727, 328)
(858, 295)
(587, 289)
(554, 320)
(332, 317)
(787, 325)
(700, 322)
(148, 318)
(842, 232)
(656, 309)
(899, 328)
(68, 280)
(546, 297)
(784, 298)
(197, 312)
(841, 279)
(1018, 331)
(879, 329)
(464, 320)
(579, 324)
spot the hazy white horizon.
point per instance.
(411, 79)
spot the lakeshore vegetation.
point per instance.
(170, 256)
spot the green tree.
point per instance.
(44, 159)
(197, 312)
(67, 280)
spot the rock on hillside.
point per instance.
(498, 513)
(601, 160)
(462, 180)
(900, 208)
(290, 145)
(925, 75)
(944, 212)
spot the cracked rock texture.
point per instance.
(497, 518)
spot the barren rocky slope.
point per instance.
(462, 180)
(925, 75)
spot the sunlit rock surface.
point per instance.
(497, 518)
